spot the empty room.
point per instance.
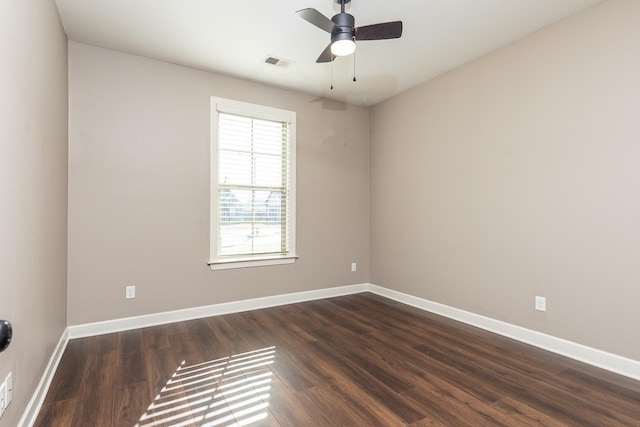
(319, 213)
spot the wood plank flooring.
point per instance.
(358, 360)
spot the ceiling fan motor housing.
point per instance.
(344, 30)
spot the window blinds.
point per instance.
(253, 186)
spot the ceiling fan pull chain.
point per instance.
(331, 75)
(354, 66)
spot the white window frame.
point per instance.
(222, 105)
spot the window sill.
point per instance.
(251, 262)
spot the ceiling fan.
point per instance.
(344, 33)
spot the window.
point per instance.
(252, 185)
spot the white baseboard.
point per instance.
(601, 359)
(33, 407)
(589, 355)
(118, 325)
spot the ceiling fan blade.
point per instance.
(316, 18)
(326, 55)
(386, 30)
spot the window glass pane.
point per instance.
(235, 206)
(250, 222)
(268, 234)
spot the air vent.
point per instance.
(278, 62)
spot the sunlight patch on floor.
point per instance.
(230, 391)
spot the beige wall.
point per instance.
(139, 189)
(518, 175)
(33, 191)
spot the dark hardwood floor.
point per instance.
(358, 360)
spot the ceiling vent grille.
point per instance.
(278, 62)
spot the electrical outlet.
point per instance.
(130, 292)
(354, 266)
(541, 303)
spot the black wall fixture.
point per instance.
(5, 334)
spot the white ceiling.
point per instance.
(234, 37)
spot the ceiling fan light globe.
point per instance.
(343, 47)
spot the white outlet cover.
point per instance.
(130, 292)
(541, 303)
(354, 266)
